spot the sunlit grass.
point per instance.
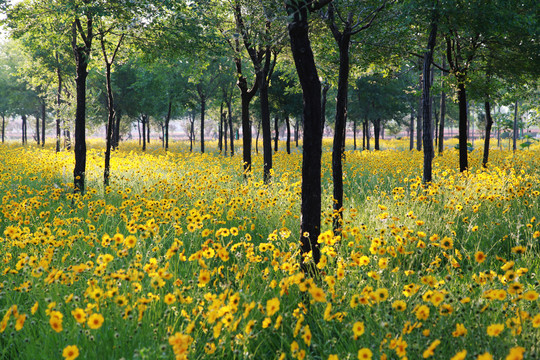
(181, 256)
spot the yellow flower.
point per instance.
(431, 349)
(79, 315)
(422, 313)
(536, 321)
(70, 352)
(399, 305)
(480, 257)
(495, 329)
(306, 336)
(485, 356)
(272, 306)
(516, 353)
(364, 354)
(460, 330)
(20, 322)
(169, 299)
(130, 241)
(460, 355)
(204, 278)
(358, 329)
(95, 321)
(34, 308)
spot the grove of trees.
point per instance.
(226, 67)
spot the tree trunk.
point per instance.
(411, 130)
(191, 131)
(296, 129)
(257, 138)
(110, 120)
(3, 127)
(377, 132)
(489, 124)
(38, 132)
(515, 132)
(462, 100)
(23, 129)
(246, 133)
(82, 57)
(265, 122)
(58, 103)
(203, 111)
(144, 121)
(43, 118)
(167, 122)
(231, 133)
(363, 135)
(220, 129)
(116, 136)
(442, 111)
(354, 133)
(338, 149)
(148, 129)
(426, 102)
(325, 89)
(288, 123)
(276, 130)
(368, 135)
(312, 149)
(419, 115)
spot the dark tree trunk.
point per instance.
(167, 122)
(3, 127)
(191, 131)
(377, 132)
(144, 121)
(148, 129)
(364, 135)
(139, 130)
(354, 133)
(276, 130)
(231, 133)
(246, 132)
(426, 102)
(325, 89)
(411, 130)
(110, 120)
(462, 100)
(203, 110)
(257, 138)
(312, 149)
(288, 123)
(116, 136)
(296, 129)
(225, 125)
(43, 118)
(38, 132)
(489, 124)
(419, 120)
(58, 104)
(515, 128)
(265, 122)
(338, 149)
(368, 135)
(82, 57)
(23, 129)
(220, 130)
(442, 111)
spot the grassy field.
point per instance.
(181, 257)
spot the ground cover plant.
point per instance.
(181, 257)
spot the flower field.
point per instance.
(182, 258)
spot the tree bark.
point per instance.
(288, 123)
(43, 119)
(82, 57)
(312, 149)
(489, 124)
(110, 120)
(442, 111)
(411, 130)
(515, 127)
(23, 129)
(3, 127)
(462, 101)
(325, 89)
(144, 120)
(265, 121)
(419, 115)
(231, 133)
(276, 133)
(354, 133)
(167, 122)
(38, 132)
(427, 136)
(377, 132)
(220, 129)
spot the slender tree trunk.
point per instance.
(296, 129)
(427, 102)
(515, 134)
(225, 125)
(220, 129)
(144, 121)
(364, 135)
(110, 120)
(265, 120)
(312, 138)
(116, 136)
(23, 129)
(257, 138)
(419, 121)
(325, 89)
(167, 122)
(338, 149)
(58, 103)
(354, 133)
(148, 129)
(411, 130)
(377, 132)
(139, 130)
(462, 100)
(368, 135)
(489, 124)
(191, 131)
(231, 133)
(82, 57)
(276, 130)
(203, 111)
(288, 123)
(38, 132)
(246, 133)
(43, 118)
(3, 127)
(442, 111)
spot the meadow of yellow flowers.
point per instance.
(181, 257)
